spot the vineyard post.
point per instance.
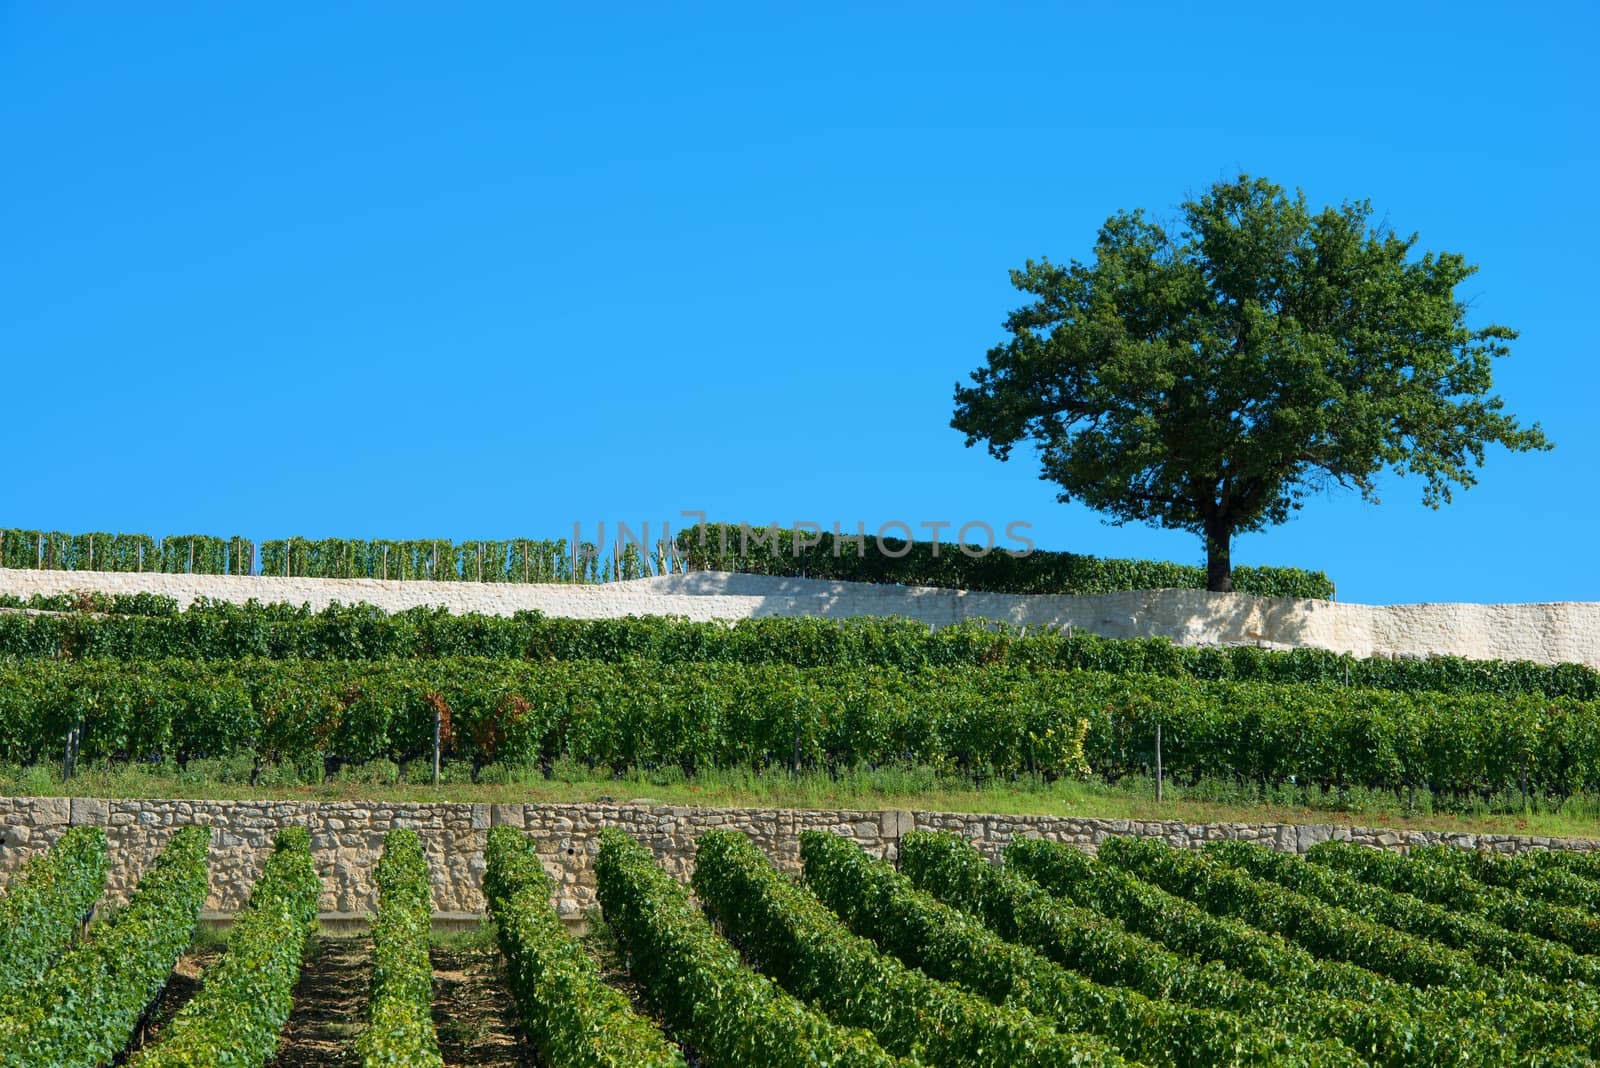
(191, 556)
(1158, 761)
(436, 718)
(70, 762)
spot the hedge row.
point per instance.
(572, 1017)
(731, 1016)
(971, 720)
(1444, 885)
(772, 550)
(804, 946)
(234, 1020)
(46, 903)
(221, 631)
(85, 1008)
(1098, 946)
(176, 554)
(1559, 1031)
(879, 903)
(399, 1032)
(1489, 944)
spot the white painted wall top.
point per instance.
(1566, 631)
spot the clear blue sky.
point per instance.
(476, 271)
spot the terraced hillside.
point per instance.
(1229, 955)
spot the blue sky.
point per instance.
(404, 270)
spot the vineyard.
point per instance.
(975, 720)
(1145, 955)
(762, 550)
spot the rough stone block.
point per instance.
(88, 812)
(508, 816)
(50, 811)
(895, 823)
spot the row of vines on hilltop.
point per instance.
(147, 628)
(975, 564)
(719, 547)
(197, 554)
(436, 559)
(982, 722)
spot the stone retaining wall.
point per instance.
(347, 839)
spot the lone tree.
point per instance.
(1211, 380)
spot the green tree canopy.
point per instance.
(1211, 380)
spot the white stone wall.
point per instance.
(1559, 632)
(347, 839)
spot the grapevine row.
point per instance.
(144, 626)
(1537, 1013)
(573, 1018)
(975, 720)
(805, 947)
(46, 903)
(245, 998)
(1489, 944)
(1443, 885)
(399, 1031)
(1521, 875)
(729, 1014)
(879, 903)
(84, 1009)
(700, 548)
(1098, 946)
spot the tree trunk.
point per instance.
(1219, 560)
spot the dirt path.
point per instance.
(473, 1012)
(181, 986)
(330, 1005)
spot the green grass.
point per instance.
(480, 936)
(883, 788)
(209, 938)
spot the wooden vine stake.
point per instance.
(1158, 761)
(436, 718)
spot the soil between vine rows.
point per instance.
(330, 1005)
(474, 1014)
